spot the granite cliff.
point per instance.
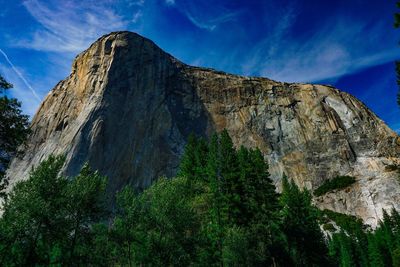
(127, 108)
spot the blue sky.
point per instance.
(349, 44)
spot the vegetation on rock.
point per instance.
(339, 182)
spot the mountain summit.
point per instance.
(128, 107)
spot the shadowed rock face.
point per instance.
(128, 107)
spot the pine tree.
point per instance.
(259, 210)
(201, 160)
(300, 224)
(85, 207)
(167, 227)
(218, 208)
(13, 130)
(34, 219)
(375, 256)
(49, 219)
(347, 257)
(229, 176)
(188, 165)
(360, 241)
(126, 233)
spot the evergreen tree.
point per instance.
(194, 161)
(217, 199)
(33, 221)
(229, 178)
(168, 227)
(347, 257)
(84, 208)
(360, 241)
(230, 215)
(375, 256)
(259, 210)
(188, 165)
(306, 242)
(13, 130)
(126, 233)
(201, 153)
(49, 219)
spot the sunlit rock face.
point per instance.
(127, 108)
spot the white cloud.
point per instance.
(136, 16)
(136, 3)
(210, 23)
(203, 15)
(339, 47)
(70, 26)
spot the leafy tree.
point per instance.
(49, 219)
(13, 130)
(33, 218)
(229, 215)
(160, 226)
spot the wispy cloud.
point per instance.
(170, 2)
(212, 23)
(70, 26)
(339, 47)
(204, 16)
(21, 76)
(136, 3)
(136, 16)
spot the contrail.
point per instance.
(20, 75)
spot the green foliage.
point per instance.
(4, 85)
(222, 209)
(48, 219)
(339, 182)
(13, 130)
(348, 223)
(306, 242)
(32, 217)
(328, 227)
(357, 246)
(158, 227)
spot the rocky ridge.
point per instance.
(128, 107)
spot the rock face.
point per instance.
(127, 108)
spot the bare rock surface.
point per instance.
(127, 108)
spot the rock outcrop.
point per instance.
(127, 108)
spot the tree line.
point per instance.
(222, 209)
